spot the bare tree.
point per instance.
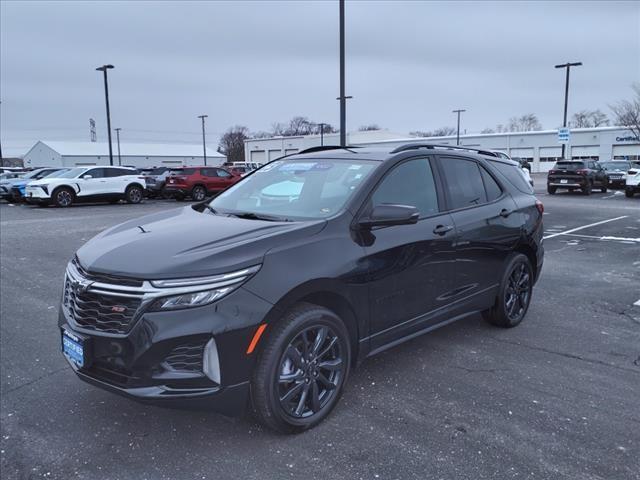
(299, 126)
(444, 132)
(232, 143)
(277, 129)
(419, 133)
(488, 130)
(588, 119)
(627, 112)
(369, 128)
(525, 123)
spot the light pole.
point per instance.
(458, 131)
(104, 69)
(343, 98)
(322, 133)
(204, 143)
(118, 140)
(568, 66)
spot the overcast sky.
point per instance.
(254, 63)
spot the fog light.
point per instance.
(210, 362)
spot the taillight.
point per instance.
(582, 171)
(540, 206)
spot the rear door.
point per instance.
(118, 179)
(487, 226)
(410, 267)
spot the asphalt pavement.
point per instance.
(556, 397)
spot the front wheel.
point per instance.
(514, 295)
(628, 193)
(301, 369)
(133, 194)
(63, 197)
(198, 193)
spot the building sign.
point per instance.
(92, 129)
(563, 135)
(630, 138)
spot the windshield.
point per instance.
(55, 173)
(614, 165)
(73, 173)
(295, 189)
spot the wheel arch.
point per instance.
(530, 252)
(134, 184)
(321, 294)
(64, 185)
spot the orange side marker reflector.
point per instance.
(256, 338)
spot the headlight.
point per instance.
(196, 291)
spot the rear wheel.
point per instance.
(551, 190)
(587, 189)
(133, 194)
(603, 189)
(199, 193)
(628, 193)
(514, 296)
(63, 197)
(301, 369)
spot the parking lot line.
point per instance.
(637, 304)
(584, 226)
(605, 237)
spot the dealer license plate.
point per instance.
(73, 347)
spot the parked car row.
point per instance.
(587, 175)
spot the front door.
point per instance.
(96, 185)
(410, 267)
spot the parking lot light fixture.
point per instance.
(568, 66)
(104, 69)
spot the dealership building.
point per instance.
(541, 148)
(72, 154)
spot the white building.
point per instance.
(70, 154)
(540, 148)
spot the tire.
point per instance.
(199, 193)
(551, 190)
(63, 197)
(179, 197)
(587, 189)
(628, 193)
(282, 355)
(514, 295)
(603, 189)
(133, 194)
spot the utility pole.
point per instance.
(322, 133)
(104, 69)
(343, 98)
(568, 66)
(118, 140)
(458, 131)
(204, 143)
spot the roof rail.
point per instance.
(327, 147)
(433, 146)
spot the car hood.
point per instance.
(186, 243)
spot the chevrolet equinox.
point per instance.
(268, 295)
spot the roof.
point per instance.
(129, 149)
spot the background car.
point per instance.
(198, 182)
(632, 181)
(88, 184)
(576, 175)
(616, 171)
(155, 180)
(16, 187)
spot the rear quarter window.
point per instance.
(188, 171)
(515, 176)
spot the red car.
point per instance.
(198, 182)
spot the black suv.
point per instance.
(274, 290)
(577, 175)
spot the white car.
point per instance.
(87, 184)
(632, 181)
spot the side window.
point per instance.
(410, 183)
(490, 185)
(207, 172)
(515, 175)
(117, 172)
(223, 173)
(463, 181)
(95, 173)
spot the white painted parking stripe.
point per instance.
(595, 237)
(584, 226)
(637, 304)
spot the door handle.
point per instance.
(442, 229)
(505, 213)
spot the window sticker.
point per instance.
(297, 167)
(270, 166)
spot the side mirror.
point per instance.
(389, 215)
(87, 177)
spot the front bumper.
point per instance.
(142, 363)
(36, 195)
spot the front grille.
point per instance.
(104, 278)
(187, 357)
(98, 306)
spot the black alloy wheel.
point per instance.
(302, 366)
(311, 369)
(514, 296)
(516, 300)
(198, 193)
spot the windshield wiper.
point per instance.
(211, 209)
(255, 216)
